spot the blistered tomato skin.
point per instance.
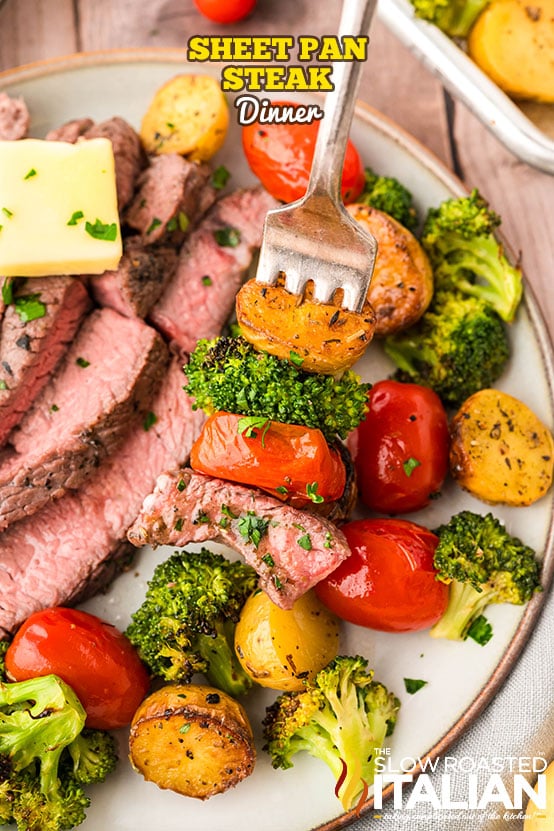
(280, 155)
(401, 449)
(225, 11)
(97, 661)
(389, 581)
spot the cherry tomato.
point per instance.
(280, 155)
(97, 661)
(225, 11)
(389, 582)
(286, 459)
(401, 449)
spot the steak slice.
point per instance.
(62, 553)
(172, 195)
(110, 372)
(14, 118)
(291, 550)
(142, 273)
(128, 154)
(201, 296)
(30, 349)
(71, 130)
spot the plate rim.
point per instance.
(376, 120)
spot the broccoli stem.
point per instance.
(224, 670)
(465, 604)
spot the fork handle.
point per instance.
(328, 160)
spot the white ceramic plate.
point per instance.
(462, 677)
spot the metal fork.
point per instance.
(315, 238)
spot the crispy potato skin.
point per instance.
(188, 115)
(513, 43)
(192, 739)
(500, 451)
(327, 338)
(402, 283)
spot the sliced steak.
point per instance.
(14, 118)
(63, 552)
(109, 373)
(291, 550)
(71, 130)
(201, 296)
(30, 349)
(136, 284)
(128, 154)
(172, 195)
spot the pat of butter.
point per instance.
(58, 208)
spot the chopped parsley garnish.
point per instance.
(7, 212)
(179, 524)
(201, 519)
(277, 583)
(172, 224)
(7, 291)
(414, 684)
(295, 358)
(480, 630)
(311, 491)
(282, 490)
(185, 728)
(170, 125)
(184, 221)
(305, 542)
(220, 177)
(102, 231)
(75, 217)
(82, 362)
(149, 420)
(223, 522)
(181, 485)
(410, 465)
(207, 280)
(225, 509)
(3, 385)
(32, 172)
(247, 427)
(252, 527)
(153, 225)
(227, 237)
(268, 560)
(54, 408)
(29, 307)
(328, 540)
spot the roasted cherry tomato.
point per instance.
(97, 661)
(389, 582)
(281, 155)
(286, 459)
(401, 449)
(225, 11)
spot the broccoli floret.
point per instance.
(466, 257)
(41, 724)
(388, 195)
(342, 717)
(483, 564)
(454, 17)
(229, 374)
(187, 621)
(458, 347)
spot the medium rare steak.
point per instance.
(291, 550)
(61, 553)
(71, 130)
(14, 118)
(142, 273)
(211, 268)
(31, 349)
(172, 195)
(128, 154)
(109, 373)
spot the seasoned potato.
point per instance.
(542, 819)
(500, 451)
(402, 283)
(188, 115)
(327, 338)
(513, 43)
(192, 739)
(281, 648)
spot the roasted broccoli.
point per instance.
(454, 17)
(229, 374)
(388, 195)
(42, 748)
(458, 347)
(342, 717)
(466, 257)
(483, 564)
(187, 621)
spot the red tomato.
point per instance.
(280, 155)
(225, 11)
(388, 583)
(401, 449)
(270, 456)
(97, 661)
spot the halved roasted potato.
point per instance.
(402, 283)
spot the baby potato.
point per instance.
(402, 283)
(500, 450)
(542, 819)
(282, 648)
(188, 115)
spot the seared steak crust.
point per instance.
(14, 118)
(128, 154)
(290, 549)
(71, 130)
